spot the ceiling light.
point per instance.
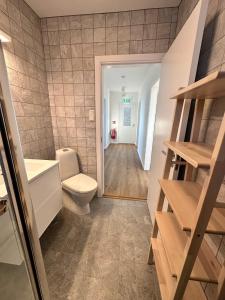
(4, 37)
(109, 67)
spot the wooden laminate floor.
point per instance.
(124, 175)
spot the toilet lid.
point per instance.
(80, 183)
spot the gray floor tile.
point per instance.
(102, 255)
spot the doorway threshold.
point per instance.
(120, 197)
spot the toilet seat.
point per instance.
(80, 183)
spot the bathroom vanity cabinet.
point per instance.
(46, 195)
(45, 190)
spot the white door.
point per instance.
(151, 124)
(178, 69)
(127, 121)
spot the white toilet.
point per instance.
(78, 189)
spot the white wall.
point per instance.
(115, 99)
(144, 110)
(106, 119)
(151, 124)
(106, 115)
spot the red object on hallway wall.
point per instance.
(113, 133)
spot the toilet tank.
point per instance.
(68, 163)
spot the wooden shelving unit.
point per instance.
(197, 155)
(181, 254)
(184, 203)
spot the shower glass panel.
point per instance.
(14, 278)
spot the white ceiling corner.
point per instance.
(51, 8)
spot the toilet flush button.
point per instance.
(91, 115)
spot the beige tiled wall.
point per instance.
(27, 78)
(212, 57)
(70, 45)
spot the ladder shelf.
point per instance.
(166, 281)
(206, 266)
(184, 203)
(178, 248)
(196, 154)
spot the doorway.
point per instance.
(129, 104)
(112, 60)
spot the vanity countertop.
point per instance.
(34, 168)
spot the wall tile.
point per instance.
(124, 18)
(66, 64)
(76, 50)
(76, 36)
(137, 17)
(136, 47)
(78, 76)
(28, 77)
(64, 37)
(99, 20)
(163, 31)
(88, 50)
(111, 34)
(53, 38)
(124, 33)
(137, 32)
(65, 51)
(64, 23)
(123, 47)
(87, 21)
(161, 45)
(77, 63)
(112, 19)
(167, 15)
(111, 48)
(81, 38)
(87, 35)
(150, 31)
(88, 63)
(149, 46)
(99, 49)
(75, 22)
(151, 16)
(99, 35)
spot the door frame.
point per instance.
(112, 60)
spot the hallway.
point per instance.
(124, 175)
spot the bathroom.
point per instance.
(61, 238)
(52, 102)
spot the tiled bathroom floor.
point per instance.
(101, 256)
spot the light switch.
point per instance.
(91, 114)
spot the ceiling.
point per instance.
(135, 75)
(51, 8)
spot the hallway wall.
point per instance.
(212, 58)
(115, 115)
(70, 45)
(27, 78)
(144, 113)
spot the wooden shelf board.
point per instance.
(206, 267)
(212, 86)
(166, 281)
(196, 154)
(184, 203)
